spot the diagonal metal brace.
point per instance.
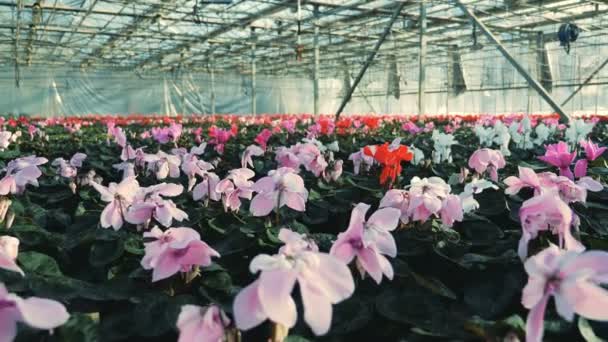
(370, 59)
(523, 72)
(587, 80)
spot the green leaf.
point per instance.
(151, 313)
(105, 252)
(217, 280)
(587, 331)
(80, 328)
(34, 262)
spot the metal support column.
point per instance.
(315, 76)
(522, 71)
(422, 60)
(212, 74)
(253, 73)
(587, 80)
(370, 59)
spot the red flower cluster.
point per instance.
(390, 158)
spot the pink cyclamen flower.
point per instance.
(546, 212)
(287, 158)
(369, 241)
(572, 279)
(335, 173)
(489, 160)
(9, 249)
(234, 187)
(37, 313)
(119, 198)
(175, 250)
(282, 187)
(322, 278)
(202, 324)
(251, 151)
(163, 164)
(398, 199)
(427, 197)
(207, 189)
(592, 151)
(527, 179)
(152, 204)
(361, 159)
(19, 173)
(559, 156)
(262, 138)
(451, 210)
(69, 169)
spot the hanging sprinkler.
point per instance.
(568, 33)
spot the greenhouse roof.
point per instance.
(221, 35)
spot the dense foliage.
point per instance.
(458, 282)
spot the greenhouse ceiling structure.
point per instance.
(307, 56)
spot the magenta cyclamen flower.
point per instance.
(175, 250)
(323, 280)
(19, 173)
(202, 324)
(262, 138)
(592, 151)
(546, 212)
(559, 156)
(153, 204)
(69, 169)
(369, 241)
(9, 249)
(572, 279)
(489, 160)
(282, 187)
(119, 198)
(38, 313)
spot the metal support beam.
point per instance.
(523, 72)
(370, 59)
(422, 60)
(16, 43)
(587, 80)
(315, 76)
(253, 74)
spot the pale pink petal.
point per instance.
(262, 204)
(368, 258)
(140, 213)
(386, 219)
(8, 326)
(536, 320)
(317, 309)
(275, 296)
(587, 299)
(42, 313)
(166, 266)
(247, 310)
(293, 200)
